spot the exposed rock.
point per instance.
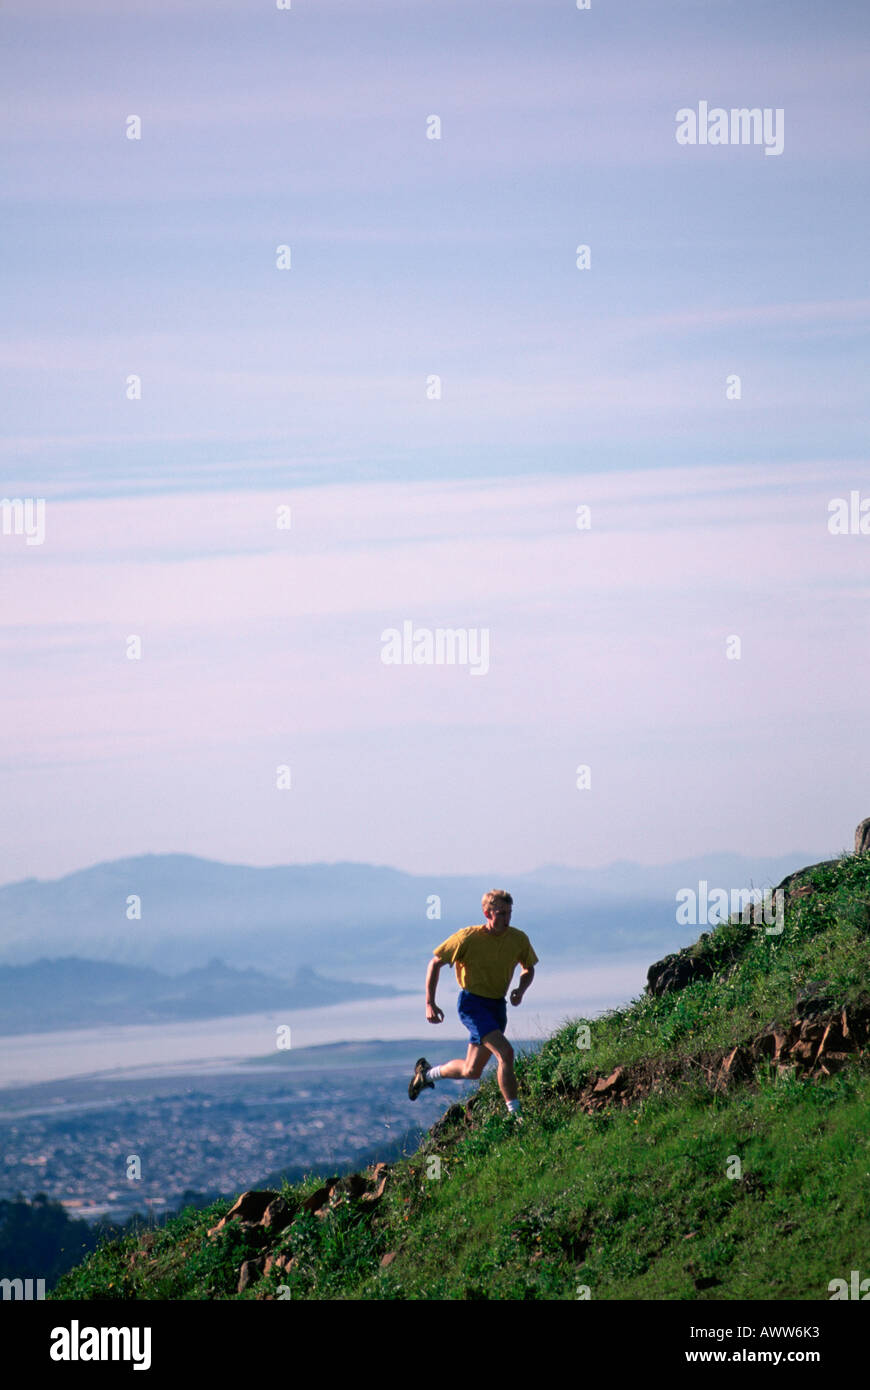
(736, 1066)
(781, 1041)
(862, 837)
(249, 1273)
(248, 1210)
(277, 1216)
(833, 1062)
(251, 1205)
(676, 971)
(365, 1188)
(318, 1199)
(815, 998)
(682, 968)
(773, 1041)
(789, 884)
(812, 1029)
(456, 1117)
(814, 1047)
(261, 1215)
(613, 1082)
(354, 1185)
(377, 1183)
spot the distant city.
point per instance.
(76, 1141)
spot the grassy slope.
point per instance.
(630, 1203)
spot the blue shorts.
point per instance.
(480, 1015)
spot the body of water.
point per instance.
(222, 1043)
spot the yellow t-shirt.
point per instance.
(485, 963)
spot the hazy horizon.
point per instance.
(483, 875)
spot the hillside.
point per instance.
(711, 1142)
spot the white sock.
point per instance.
(513, 1106)
(433, 1073)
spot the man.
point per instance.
(485, 958)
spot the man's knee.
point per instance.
(499, 1044)
(474, 1068)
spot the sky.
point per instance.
(255, 464)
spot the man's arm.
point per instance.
(433, 1013)
(528, 974)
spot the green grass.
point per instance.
(628, 1203)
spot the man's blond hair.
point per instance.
(496, 895)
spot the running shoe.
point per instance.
(418, 1080)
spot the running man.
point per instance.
(485, 958)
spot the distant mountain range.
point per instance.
(77, 993)
(353, 919)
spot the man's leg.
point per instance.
(501, 1049)
(468, 1069)
(458, 1069)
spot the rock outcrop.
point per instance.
(815, 1043)
(267, 1218)
(862, 837)
(677, 970)
(682, 968)
(261, 1215)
